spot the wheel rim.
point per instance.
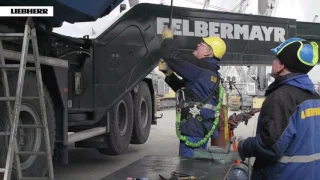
(28, 139)
(122, 118)
(143, 113)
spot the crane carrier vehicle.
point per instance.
(97, 87)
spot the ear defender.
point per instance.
(308, 54)
(283, 45)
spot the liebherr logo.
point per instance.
(184, 27)
(22, 11)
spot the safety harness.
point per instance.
(195, 112)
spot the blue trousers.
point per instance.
(185, 151)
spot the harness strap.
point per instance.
(214, 92)
(209, 134)
(198, 106)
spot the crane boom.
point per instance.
(206, 4)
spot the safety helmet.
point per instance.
(217, 44)
(298, 55)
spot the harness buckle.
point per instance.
(194, 111)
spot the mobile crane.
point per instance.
(91, 83)
(104, 108)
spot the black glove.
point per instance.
(240, 147)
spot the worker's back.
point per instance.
(199, 89)
(301, 159)
(204, 82)
(291, 113)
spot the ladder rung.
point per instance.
(31, 153)
(34, 178)
(11, 34)
(14, 98)
(2, 170)
(9, 38)
(4, 133)
(16, 66)
(30, 126)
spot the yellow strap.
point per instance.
(226, 126)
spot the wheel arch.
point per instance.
(57, 87)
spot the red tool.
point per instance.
(234, 120)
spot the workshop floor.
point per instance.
(88, 164)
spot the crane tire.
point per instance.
(121, 122)
(142, 114)
(31, 139)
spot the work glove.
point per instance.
(240, 148)
(163, 67)
(167, 33)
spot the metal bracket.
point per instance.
(159, 117)
(136, 88)
(218, 154)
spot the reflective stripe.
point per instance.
(300, 159)
(209, 106)
(206, 106)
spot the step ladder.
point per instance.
(29, 33)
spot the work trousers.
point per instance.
(186, 151)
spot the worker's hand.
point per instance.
(240, 148)
(164, 68)
(169, 72)
(167, 33)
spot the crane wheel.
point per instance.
(121, 122)
(142, 114)
(29, 139)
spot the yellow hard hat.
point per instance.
(217, 44)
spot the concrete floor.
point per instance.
(88, 164)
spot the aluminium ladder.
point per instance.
(13, 115)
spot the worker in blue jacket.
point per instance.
(286, 145)
(200, 78)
